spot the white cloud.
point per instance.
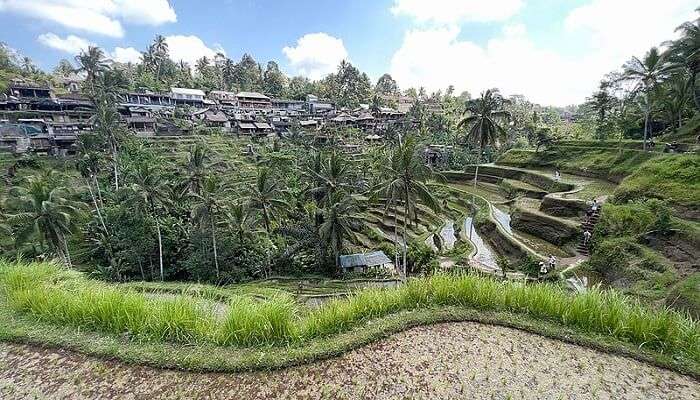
(70, 44)
(316, 54)
(190, 48)
(126, 55)
(644, 23)
(512, 61)
(103, 17)
(436, 59)
(454, 11)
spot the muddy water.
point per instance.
(503, 218)
(484, 254)
(448, 235)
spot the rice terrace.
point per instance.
(410, 200)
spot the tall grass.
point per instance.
(49, 293)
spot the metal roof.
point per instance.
(245, 125)
(187, 91)
(364, 260)
(252, 95)
(263, 125)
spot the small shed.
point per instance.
(363, 262)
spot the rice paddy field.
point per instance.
(51, 296)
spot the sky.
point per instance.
(552, 51)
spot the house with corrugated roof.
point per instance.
(366, 262)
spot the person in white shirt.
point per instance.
(586, 237)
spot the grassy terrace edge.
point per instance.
(24, 328)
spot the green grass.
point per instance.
(48, 294)
(612, 164)
(675, 179)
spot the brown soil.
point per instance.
(458, 360)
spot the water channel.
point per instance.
(484, 254)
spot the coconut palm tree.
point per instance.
(647, 73)
(675, 98)
(206, 210)
(340, 220)
(92, 62)
(483, 121)
(149, 192)
(197, 166)
(107, 125)
(240, 219)
(266, 196)
(43, 208)
(405, 179)
(684, 53)
(160, 53)
(327, 176)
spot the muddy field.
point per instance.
(458, 360)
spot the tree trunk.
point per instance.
(66, 253)
(405, 223)
(266, 220)
(97, 206)
(476, 170)
(115, 165)
(646, 127)
(213, 239)
(160, 250)
(696, 98)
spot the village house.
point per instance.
(289, 106)
(190, 97)
(366, 262)
(224, 98)
(253, 101)
(317, 106)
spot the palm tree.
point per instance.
(150, 192)
(92, 62)
(43, 208)
(483, 120)
(675, 99)
(327, 175)
(160, 53)
(685, 54)
(206, 210)
(240, 220)
(107, 125)
(197, 167)
(647, 73)
(265, 196)
(404, 179)
(340, 220)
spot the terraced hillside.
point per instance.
(648, 239)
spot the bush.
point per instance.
(619, 258)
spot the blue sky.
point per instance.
(552, 51)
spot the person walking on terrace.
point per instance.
(586, 237)
(557, 175)
(552, 262)
(595, 206)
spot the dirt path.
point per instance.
(459, 360)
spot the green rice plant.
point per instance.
(48, 293)
(250, 322)
(179, 320)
